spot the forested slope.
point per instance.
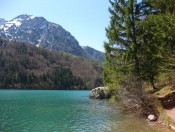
(25, 66)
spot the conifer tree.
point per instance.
(138, 35)
(157, 39)
(123, 47)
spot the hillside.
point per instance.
(94, 54)
(25, 66)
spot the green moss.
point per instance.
(112, 99)
(164, 91)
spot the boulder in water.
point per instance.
(99, 93)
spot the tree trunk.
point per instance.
(153, 85)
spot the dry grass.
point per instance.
(163, 117)
(164, 91)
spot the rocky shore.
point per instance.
(99, 93)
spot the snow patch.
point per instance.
(48, 42)
(29, 31)
(37, 45)
(7, 25)
(7, 34)
(1, 27)
(43, 27)
(53, 24)
(31, 17)
(16, 22)
(83, 47)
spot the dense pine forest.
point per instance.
(140, 53)
(25, 66)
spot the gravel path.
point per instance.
(171, 113)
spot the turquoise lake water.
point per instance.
(64, 111)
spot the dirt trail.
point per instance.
(171, 113)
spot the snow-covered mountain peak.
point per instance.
(42, 33)
(16, 22)
(8, 24)
(24, 17)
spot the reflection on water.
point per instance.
(64, 111)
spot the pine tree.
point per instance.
(157, 39)
(122, 50)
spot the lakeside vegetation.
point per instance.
(25, 66)
(140, 53)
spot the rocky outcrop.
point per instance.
(99, 93)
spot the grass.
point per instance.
(164, 91)
(165, 118)
(165, 86)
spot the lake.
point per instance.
(64, 111)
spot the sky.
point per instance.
(84, 19)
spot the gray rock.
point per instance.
(99, 93)
(152, 118)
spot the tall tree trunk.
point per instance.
(153, 84)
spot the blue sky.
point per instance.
(84, 19)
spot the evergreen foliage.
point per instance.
(122, 50)
(141, 45)
(139, 34)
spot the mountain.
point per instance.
(42, 33)
(2, 21)
(25, 66)
(94, 54)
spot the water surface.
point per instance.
(64, 111)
